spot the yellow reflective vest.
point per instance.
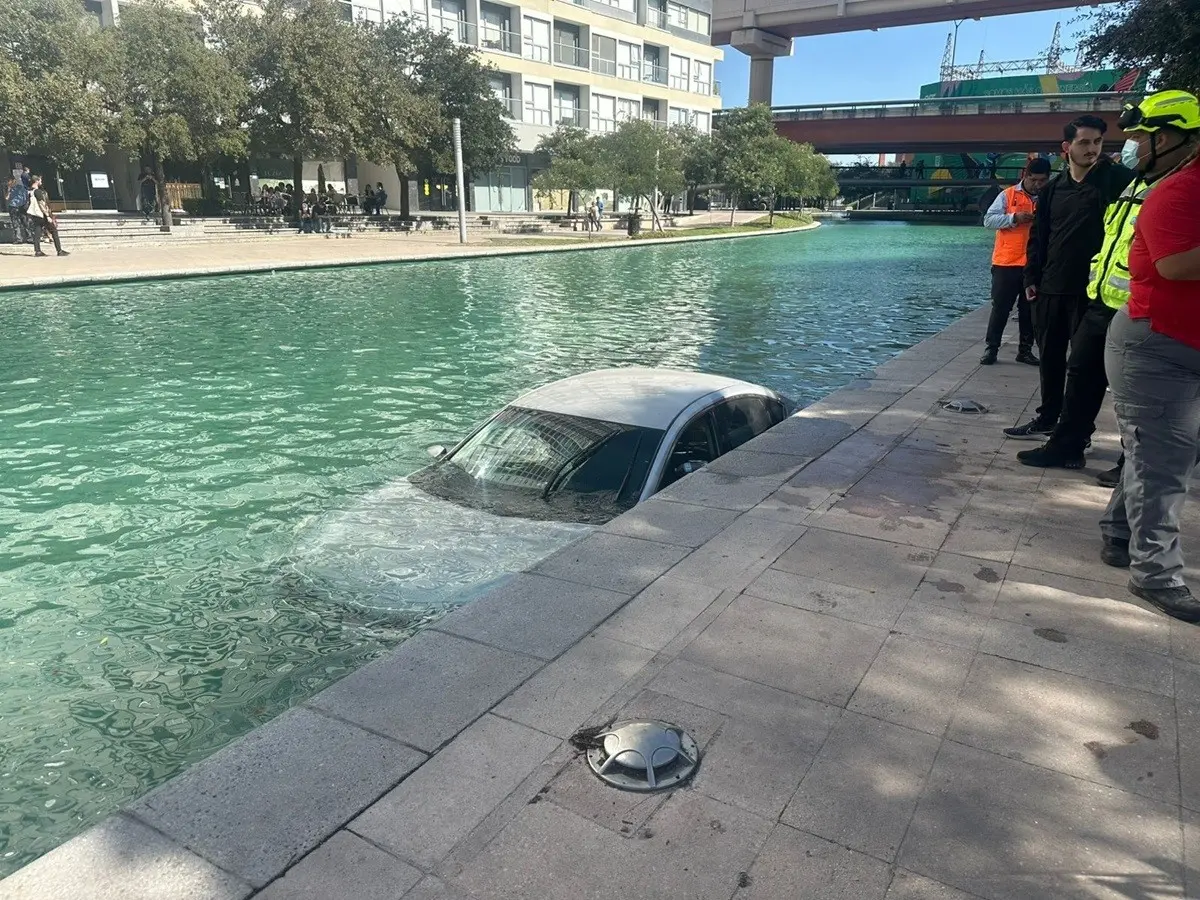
(1110, 267)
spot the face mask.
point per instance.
(1130, 157)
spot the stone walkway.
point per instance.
(87, 265)
(909, 673)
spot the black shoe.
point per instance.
(1049, 456)
(1109, 478)
(63, 253)
(1115, 553)
(989, 357)
(1174, 601)
(1027, 357)
(1035, 430)
(39, 253)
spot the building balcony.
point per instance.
(656, 18)
(459, 30)
(571, 115)
(572, 55)
(652, 74)
(499, 40)
(512, 108)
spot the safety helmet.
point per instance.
(1176, 108)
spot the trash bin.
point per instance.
(635, 225)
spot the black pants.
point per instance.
(1086, 379)
(37, 227)
(1055, 318)
(1008, 287)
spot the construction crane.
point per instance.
(1050, 62)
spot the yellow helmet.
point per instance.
(1176, 108)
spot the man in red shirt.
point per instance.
(1152, 356)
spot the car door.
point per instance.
(740, 419)
(696, 446)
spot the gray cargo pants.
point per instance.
(1156, 390)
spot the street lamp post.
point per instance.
(458, 176)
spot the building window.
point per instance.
(495, 28)
(656, 14)
(680, 72)
(629, 61)
(677, 116)
(628, 110)
(537, 40)
(702, 77)
(501, 84)
(604, 55)
(566, 106)
(604, 113)
(537, 103)
(568, 47)
(450, 17)
(702, 122)
(688, 19)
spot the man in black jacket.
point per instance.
(1067, 232)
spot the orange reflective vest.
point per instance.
(1011, 242)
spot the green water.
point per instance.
(164, 446)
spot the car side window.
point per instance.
(695, 444)
(742, 418)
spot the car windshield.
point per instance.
(545, 465)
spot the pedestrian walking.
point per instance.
(16, 200)
(1068, 230)
(1152, 356)
(1011, 216)
(1167, 124)
(599, 213)
(41, 220)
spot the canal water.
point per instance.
(166, 446)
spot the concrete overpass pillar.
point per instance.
(763, 48)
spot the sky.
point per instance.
(893, 63)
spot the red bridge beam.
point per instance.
(1013, 133)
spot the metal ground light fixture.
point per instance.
(643, 756)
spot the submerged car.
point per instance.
(546, 469)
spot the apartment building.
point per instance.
(590, 63)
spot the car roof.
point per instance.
(642, 397)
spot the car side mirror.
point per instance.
(437, 451)
(687, 468)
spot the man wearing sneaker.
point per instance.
(1067, 232)
(1108, 289)
(1153, 360)
(1011, 216)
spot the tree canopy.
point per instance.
(1158, 35)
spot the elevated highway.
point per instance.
(764, 29)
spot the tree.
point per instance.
(451, 77)
(743, 146)
(397, 121)
(1158, 35)
(643, 161)
(576, 163)
(700, 160)
(55, 55)
(301, 62)
(173, 96)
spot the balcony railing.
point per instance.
(571, 55)
(716, 89)
(536, 52)
(571, 115)
(512, 107)
(502, 40)
(656, 18)
(603, 66)
(654, 74)
(656, 122)
(458, 29)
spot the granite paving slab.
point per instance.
(344, 866)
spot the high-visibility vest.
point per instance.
(1011, 242)
(1110, 267)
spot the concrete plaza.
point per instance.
(910, 676)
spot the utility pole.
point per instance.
(458, 176)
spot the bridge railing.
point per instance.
(953, 169)
(956, 106)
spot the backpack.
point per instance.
(18, 197)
